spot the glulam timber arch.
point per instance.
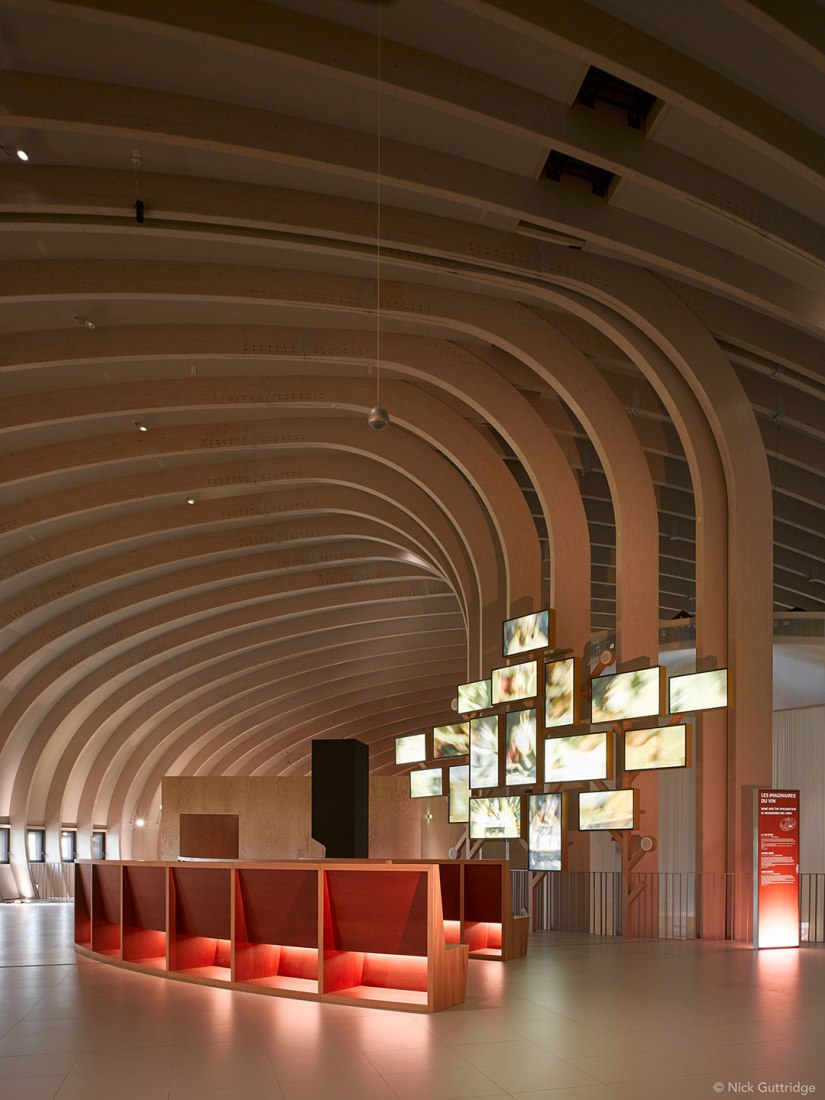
(521, 317)
(509, 326)
(459, 373)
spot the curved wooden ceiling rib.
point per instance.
(185, 687)
(449, 368)
(142, 637)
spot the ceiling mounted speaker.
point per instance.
(378, 418)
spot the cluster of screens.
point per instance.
(500, 818)
(487, 741)
(624, 696)
(620, 697)
(581, 757)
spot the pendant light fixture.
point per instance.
(378, 418)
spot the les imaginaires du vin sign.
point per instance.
(776, 863)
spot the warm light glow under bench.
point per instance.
(348, 932)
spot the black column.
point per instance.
(341, 798)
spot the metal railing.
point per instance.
(666, 905)
(812, 908)
(53, 881)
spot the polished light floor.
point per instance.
(576, 1020)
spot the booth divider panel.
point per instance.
(210, 957)
(483, 892)
(106, 894)
(202, 902)
(146, 946)
(83, 905)
(395, 971)
(144, 898)
(450, 876)
(356, 898)
(280, 906)
(276, 929)
(106, 908)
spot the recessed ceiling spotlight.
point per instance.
(190, 500)
(84, 322)
(22, 154)
(141, 427)
(140, 822)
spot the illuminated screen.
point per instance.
(560, 693)
(526, 633)
(459, 792)
(484, 751)
(520, 747)
(515, 682)
(606, 809)
(627, 695)
(475, 696)
(699, 691)
(426, 783)
(545, 832)
(661, 747)
(412, 749)
(451, 740)
(582, 756)
(496, 818)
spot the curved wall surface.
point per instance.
(576, 256)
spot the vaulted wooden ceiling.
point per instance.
(328, 580)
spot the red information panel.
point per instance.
(776, 886)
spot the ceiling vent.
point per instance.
(601, 87)
(560, 164)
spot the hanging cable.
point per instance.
(137, 162)
(778, 419)
(378, 417)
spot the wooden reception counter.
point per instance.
(346, 932)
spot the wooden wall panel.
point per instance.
(209, 836)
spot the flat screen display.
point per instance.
(659, 747)
(411, 749)
(426, 783)
(560, 695)
(580, 757)
(496, 818)
(520, 747)
(515, 682)
(475, 696)
(607, 809)
(698, 691)
(484, 752)
(627, 695)
(526, 633)
(459, 781)
(545, 832)
(451, 740)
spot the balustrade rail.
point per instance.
(53, 881)
(666, 905)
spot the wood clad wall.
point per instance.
(274, 816)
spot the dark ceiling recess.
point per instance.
(560, 164)
(601, 87)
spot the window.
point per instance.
(4, 845)
(68, 845)
(36, 845)
(98, 845)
